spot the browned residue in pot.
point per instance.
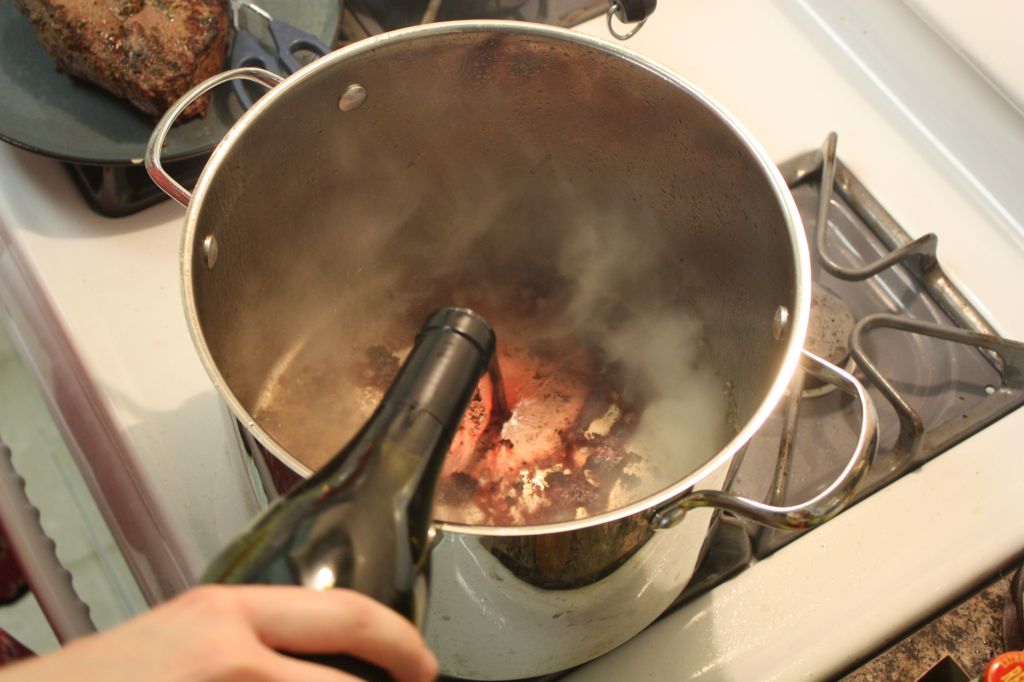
(555, 455)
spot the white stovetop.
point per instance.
(97, 307)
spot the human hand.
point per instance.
(221, 633)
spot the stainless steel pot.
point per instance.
(478, 155)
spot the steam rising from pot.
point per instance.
(553, 242)
(588, 283)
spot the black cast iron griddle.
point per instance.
(60, 116)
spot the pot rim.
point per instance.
(798, 314)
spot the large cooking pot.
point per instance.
(442, 164)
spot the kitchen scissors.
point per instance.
(247, 51)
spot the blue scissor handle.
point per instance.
(290, 40)
(246, 51)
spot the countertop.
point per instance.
(971, 634)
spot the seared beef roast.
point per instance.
(149, 52)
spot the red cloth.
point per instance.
(12, 588)
(11, 649)
(12, 583)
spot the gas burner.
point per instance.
(828, 336)
(363, 18)
(883, 306)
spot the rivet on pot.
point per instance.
(352, 98)
(780, 320)
(210, 250)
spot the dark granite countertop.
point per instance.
(971, 634)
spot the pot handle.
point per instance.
(629, 12)
(154, 167)
(820, 508)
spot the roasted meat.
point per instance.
(149, 52)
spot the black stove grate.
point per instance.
(937, 371)
(376, 16)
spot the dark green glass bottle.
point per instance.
(363, 521)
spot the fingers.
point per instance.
(280, 667)
(305, 621)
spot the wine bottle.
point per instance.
(364, 520)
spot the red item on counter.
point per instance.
(1006, 667)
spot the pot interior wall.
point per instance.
(482, 167)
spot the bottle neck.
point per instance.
(395, 432)
(402, 447)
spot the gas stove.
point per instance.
(94, 304)
(937, 376)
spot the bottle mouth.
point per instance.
(453, 349)
(466, 323)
